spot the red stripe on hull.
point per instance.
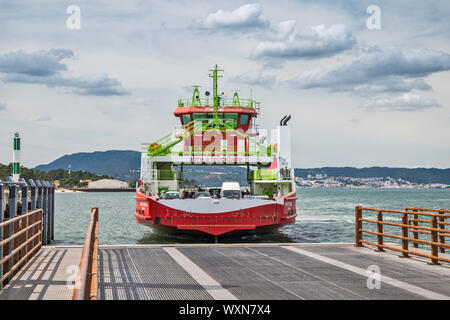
(263, 218)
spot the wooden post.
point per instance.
(358, 226)
(22, 238)
(29, 234)
(380, 230)
(405, 235)
(442, 237)
(41, 217)
(16, 243)
(6, 249)
(23, 222)
(434, 238)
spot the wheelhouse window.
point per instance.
(186, 118)
(244, 120)
(199, 116)
(231, 117)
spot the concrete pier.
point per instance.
(235, 272)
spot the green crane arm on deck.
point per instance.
(163, 145)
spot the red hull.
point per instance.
(225, 217)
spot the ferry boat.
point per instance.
(216, 130)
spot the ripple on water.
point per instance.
(324, 215)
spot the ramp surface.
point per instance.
(233, 271)
(264, 271)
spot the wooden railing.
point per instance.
(86, 285)
(20, 240)
(411, 218)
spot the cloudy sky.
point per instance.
(358, 96)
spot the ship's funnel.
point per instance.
(284, 150)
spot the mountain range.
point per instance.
(125, 165)
(120, 164)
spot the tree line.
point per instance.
(72, 180)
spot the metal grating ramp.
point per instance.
(145, 274)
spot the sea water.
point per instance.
(324, 215)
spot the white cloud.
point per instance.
(283, 31)
(41, 63)
(255, 78)
(244, 17)
(2, 106)
(313, 42)
(390, 85)
(45, 67)
(377, 64)
(405, 102)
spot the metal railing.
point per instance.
(265, 174)
(86, 284)
(20, 240)
(26, 222)
(410, 219)
(224, 102)
(441, 223)
(19, 197)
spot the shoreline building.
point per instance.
(108, 184)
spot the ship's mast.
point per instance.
(215, 76)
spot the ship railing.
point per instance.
(200, 122)
(224, 102)
(219, 153)
(265, 174)
(271, 174)
(254, 129)
(399, 224)
(86, 284)
(167, 175)
(285, 174)
(155, 174)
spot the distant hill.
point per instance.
(57, 174)
(120, 164)
(125, 165)
(417, 175)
